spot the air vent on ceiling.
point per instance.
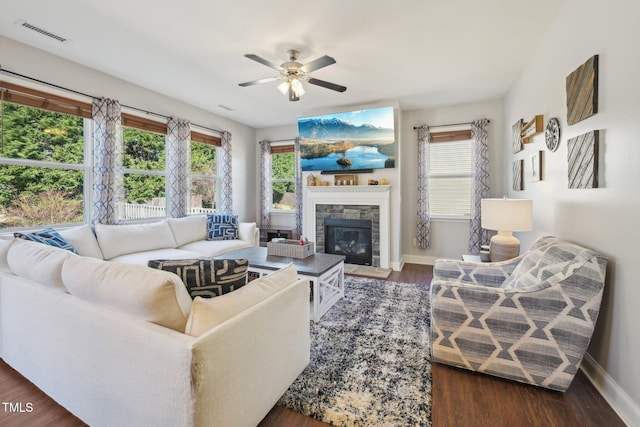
(41, 31)
(224, 107)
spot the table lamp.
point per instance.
(506, 216)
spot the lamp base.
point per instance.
(504, 246)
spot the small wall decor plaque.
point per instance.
(517, 175)
(582, 91)
(582, 155)
(536, 166)
(552, 134)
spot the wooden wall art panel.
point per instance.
(517, 136)
(582, 155)
(582, 91)
(517, 175)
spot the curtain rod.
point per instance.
(451, 124)
(4, 70)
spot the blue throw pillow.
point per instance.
(222, 227)
(48, 236)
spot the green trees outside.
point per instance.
(283, 167)
(53, 192)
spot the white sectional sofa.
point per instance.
(122, 344)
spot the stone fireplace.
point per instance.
(355, 206)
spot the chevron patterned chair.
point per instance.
(528, 319)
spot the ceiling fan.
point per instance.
(293, 73)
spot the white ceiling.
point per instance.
(414, 53)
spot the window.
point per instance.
(203, 178)
(283, 184)
(144, 175)
(450, 175)
(42, 152)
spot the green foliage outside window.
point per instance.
(28, 193)
(283, 192)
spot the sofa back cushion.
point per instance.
(38, 262)
(145, 293)
(83, 240)
(207, 278)
(247, 232)
(188, 229)
(550, 259)
(115, 240)
(209, 313)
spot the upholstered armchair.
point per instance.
(528, 319)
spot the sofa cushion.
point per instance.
(188, 229)
(48, 236)
(142, 258)
(222, 227)
(207, 278)
(5, 244)
(83, 240)
(213, 248)
(209, 313)
(247, 232)
(38, 262)
(123, 239)
(152, 295)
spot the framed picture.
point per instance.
(517, 136)
(535, 163)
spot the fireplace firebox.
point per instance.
(349, 237)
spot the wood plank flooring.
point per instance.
(460, 398)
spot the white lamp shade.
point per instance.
(507, 214)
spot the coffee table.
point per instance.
(324, 271)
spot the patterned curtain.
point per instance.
(108, 173)
(178, 163)
(298, 172)
(423, 228)
(478, 236)
(226, 189)
(264, 192)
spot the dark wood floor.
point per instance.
(459, 397)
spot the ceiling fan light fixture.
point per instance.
(296, 86)
(284, 87)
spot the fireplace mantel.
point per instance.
(377, 195)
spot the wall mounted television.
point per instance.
(348, 141)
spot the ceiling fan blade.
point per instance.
(258, 82)
(263, 61)
(316, 64)
(327, 85)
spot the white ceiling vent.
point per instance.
(25, 24)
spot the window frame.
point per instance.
(36, 99)
(283, 148)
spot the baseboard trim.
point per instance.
(615, 396)
(416, 259)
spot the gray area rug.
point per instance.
(370, 359)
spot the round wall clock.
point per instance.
(552, 134)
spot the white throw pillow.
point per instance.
(38, 262)
(83, 241)
(188, 229)
(207, 313)
(117, 240)
(247, 232)
(153, 295)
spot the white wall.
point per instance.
(39, 64)
(604, 219)
(449, 238)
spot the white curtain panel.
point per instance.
(423, 227)
(226, 189)
(479, 236)
(178, 166)
(298, 172)
(264, 192)
(108, 172)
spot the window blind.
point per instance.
(450, 179)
